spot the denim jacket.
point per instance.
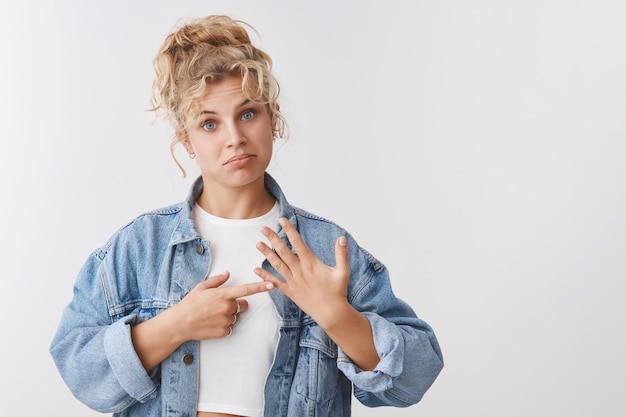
(151, 263)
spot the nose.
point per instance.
(236, 136)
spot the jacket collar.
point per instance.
(185, 230)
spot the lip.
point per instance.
(239, 158)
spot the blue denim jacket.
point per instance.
(151, 263)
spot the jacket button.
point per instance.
(188, 359)
(199, 249)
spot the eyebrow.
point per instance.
(203, 112)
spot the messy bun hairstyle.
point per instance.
(205, 51)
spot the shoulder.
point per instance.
(150, 227)
(320, 232)
(316, 228)
(313, 219)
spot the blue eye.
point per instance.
(247, 115)
(208, 125)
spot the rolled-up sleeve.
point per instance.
(124, 362)
(410, 356)
(390, 349)
(94, 352)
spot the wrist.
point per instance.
(175, 326)
(330, 315)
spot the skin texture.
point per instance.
(232, 140)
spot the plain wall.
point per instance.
(477, 148)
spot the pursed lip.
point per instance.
(238, 158)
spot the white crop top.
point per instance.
(233, 369)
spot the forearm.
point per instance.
(352, 332)
(155, 339)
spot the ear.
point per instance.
(183, 139)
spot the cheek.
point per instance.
(267, 142)
(262, 133)
(206, 152)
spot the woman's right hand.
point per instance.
(208, 311)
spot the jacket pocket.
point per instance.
(317, 379)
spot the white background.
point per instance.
(477, 148)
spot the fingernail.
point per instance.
(342, 241)
(265, 231)
(269, 285)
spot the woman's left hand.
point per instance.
(318, 289)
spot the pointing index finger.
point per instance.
(244, 290)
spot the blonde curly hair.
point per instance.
(205, 51)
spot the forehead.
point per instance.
(228, 88)
(218, 97)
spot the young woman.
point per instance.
(234, 302)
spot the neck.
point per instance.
(245, 202)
